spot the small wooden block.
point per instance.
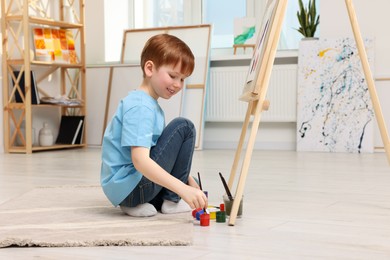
(266, 104)
(264, 107)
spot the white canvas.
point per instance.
(258, 55)
(334, 110)
(191, 102)
(245, 30)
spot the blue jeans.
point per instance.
(173, 152)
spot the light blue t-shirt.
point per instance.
(138, 121)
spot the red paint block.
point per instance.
(195, 211)
(205, 220)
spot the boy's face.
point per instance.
(166, 81)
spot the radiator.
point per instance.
(226, 84)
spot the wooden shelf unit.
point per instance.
(18, 19)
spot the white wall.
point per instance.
(94, 31)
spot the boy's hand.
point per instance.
(194, 197)
(192, 182)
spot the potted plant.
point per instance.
(308, 19)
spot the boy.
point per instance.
(146, 167)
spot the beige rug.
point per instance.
(82, 216)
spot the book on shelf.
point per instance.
(71, 130)
(54, 45)
(61, 101)
(78, 135)
(20, 97)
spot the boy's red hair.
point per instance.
(166, 49)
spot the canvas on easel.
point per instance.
(255, 90)
(250, 90)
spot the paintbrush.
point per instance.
(200, 182)
(200, 186)
(228, 193)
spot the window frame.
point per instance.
(193, 13)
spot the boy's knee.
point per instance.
(185, 121)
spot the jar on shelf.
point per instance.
(68, 13)
(45, 136)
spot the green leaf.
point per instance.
(308, 18)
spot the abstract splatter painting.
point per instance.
(334, 110)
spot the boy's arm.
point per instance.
(192, 182)
(194, 197)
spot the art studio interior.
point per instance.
(288, 100)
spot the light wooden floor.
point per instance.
(296, 205)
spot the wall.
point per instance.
(94, 31)
(271, 135)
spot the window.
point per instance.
(126, 14)
(290, 37)
(116, 21)
(221, 14)
(158, 13)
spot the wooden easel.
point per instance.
(369, 77)
(257, 103)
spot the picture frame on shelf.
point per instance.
(54, 45)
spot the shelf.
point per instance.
(22, 106)
(21, 149)
(20, 62)
(42, 76)
(54, 64)
(45, 21)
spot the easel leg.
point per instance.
(240, 145)
(262, 86)
(108, 97)
(246, 162)
(369, 78)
